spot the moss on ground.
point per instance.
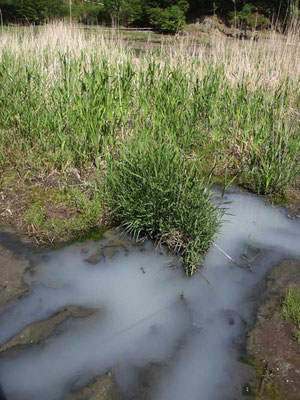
(52, 211)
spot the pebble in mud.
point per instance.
(108, 247)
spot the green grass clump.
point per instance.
(291, 308)
(155, 193)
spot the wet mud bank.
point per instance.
(113, 320)
(12, 284)
(271, 344)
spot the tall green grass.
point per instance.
(256, 127)
(61, 108)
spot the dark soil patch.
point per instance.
(272, 342)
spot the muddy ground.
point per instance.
(271, 344)
(13, 265)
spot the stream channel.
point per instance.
(135, 311)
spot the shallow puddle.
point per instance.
(148, 312)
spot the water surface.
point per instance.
(150, 312)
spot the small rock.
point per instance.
(94, 258)
(109, 252)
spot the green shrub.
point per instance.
(154, 193)
(168, 20)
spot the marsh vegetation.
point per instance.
(92, 132)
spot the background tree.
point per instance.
(163, 15)
(168, 20)
(32, 11)
(122, 12)
(86, 11)
(248, 18)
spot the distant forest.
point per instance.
(162, 15)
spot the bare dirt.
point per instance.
(272, 344)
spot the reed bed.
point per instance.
(77, 99)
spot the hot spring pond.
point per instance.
(143, 312)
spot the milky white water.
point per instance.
(192, 325)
